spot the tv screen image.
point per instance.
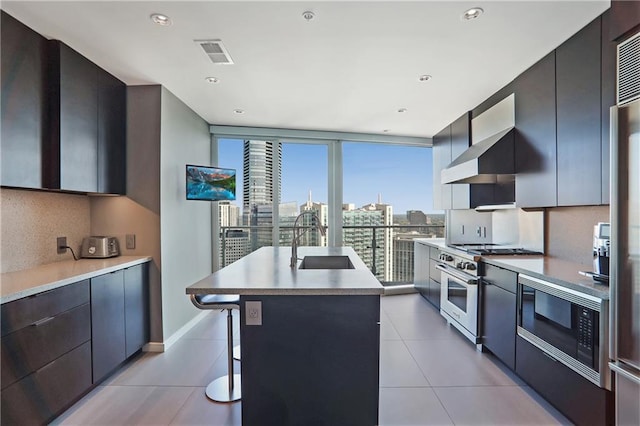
(210, 183)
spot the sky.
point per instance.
(402, 175)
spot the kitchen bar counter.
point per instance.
(558, 271)
(267, 272)
(24, 283)
(313, 355)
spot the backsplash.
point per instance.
(569, 232)
(30, 222)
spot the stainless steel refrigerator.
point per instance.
(625, 236)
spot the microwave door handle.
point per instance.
(457, 275)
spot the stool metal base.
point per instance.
(236, 352)
(218, 390)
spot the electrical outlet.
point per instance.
(479, 231)
(61, 243)
(253, 313)
(131, 241)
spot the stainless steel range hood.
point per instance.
(489, 161)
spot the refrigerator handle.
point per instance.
(615, 237)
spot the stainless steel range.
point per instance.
(460, 272)
(459, 277)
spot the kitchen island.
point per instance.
(314, 357)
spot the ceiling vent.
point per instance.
(215, 51)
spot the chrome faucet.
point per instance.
(297, 234)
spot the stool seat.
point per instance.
(222, 389)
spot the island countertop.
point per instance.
(266, 271)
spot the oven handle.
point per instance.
(458, 275)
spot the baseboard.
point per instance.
(399, 289)
(164, 346)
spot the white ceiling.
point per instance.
(350, 69)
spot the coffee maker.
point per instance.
(601, 248)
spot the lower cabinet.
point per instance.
(119, 318)
(498, 313)
(426, 277)
(59, 343)
(46, 353)
(107, 323)
(577, 398)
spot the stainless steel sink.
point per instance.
(326, 262)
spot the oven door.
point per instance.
(459, 300)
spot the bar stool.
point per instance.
(226, 388)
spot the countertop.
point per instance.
(19, 284)
(266, 271)
(558, 271)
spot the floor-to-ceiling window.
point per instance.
(374, 197)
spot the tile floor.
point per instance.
(429, 375)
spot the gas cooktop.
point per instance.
(493, 249)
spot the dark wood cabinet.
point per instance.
(107, 323)
(136, 308)
(577, 398)
(23, 93)
(441, 159)
(86, 151)
(112, 116)
(46, 353)
(46, 393)
(579, 113)
(498, 313)
(625, 18)
(460, 142)
(74, 120)
(535, 137)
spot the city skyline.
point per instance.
(401, 175)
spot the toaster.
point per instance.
(99, 247)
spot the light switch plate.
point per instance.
(253, 313)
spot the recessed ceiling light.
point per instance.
(212, 79)
(472, 13)
(402, 110)
(161, 19)
(308, 15)
(238, 111)
(425, 77)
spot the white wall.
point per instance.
(185, 226)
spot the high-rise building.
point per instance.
(376, 252)
(403, 254)
(229, 214)
(236, 245)
(262, 161)
(313, 237)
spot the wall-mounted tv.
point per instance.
(210, 183)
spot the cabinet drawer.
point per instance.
(576, 397)
(434, 253)
(32, 347)
(41, 396)
(434, 274)
(503, 278)
(24, 312)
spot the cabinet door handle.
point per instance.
(42, 321)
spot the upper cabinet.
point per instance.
(23, 72)
(87, 145)
(63, 117)
(625, 17)
(579, 117)
(441, 159)
(535, 144)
